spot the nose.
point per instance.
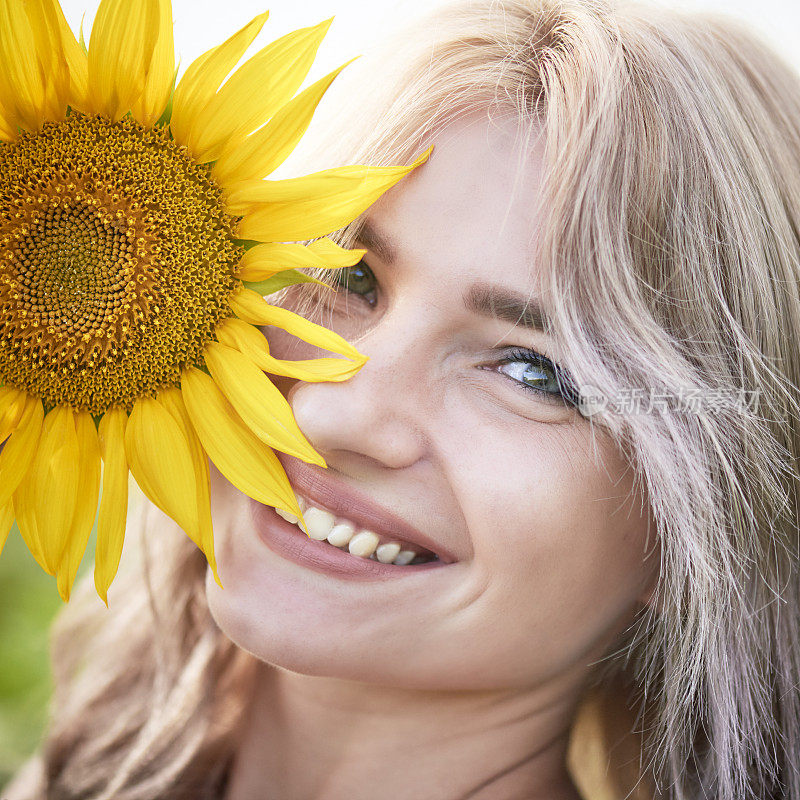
(377, 418)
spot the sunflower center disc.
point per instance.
(116, 262)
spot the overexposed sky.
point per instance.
(201, 24)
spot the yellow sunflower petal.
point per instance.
(244, 460)
(88, 471)
(6, 521)
(56, 481)
(264, 260)
(50, 53)
(205, 74)
(255, 92)
(113, 502)
(336, 184)
(12, 404)
(314, 205)
(8, 132)
(173, 402)
(25, 513)
(258, 402)
(250, 341)
(124, 36)
(312, 370)
(22, 91)
(251, 307)
(47, 71)
(333, 254)
(266, 149)
(20, 449)
(77, 62)
(160, 461)
(149, 106)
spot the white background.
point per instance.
(201, 24)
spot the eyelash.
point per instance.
(566, 393)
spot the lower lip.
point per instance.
(289, 541)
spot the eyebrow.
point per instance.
(369, 236)
(499, 303)
(482, 298)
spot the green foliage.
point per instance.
(281, 281)
(28, 602)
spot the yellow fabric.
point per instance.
(603, 753)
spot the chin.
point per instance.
(282, 636)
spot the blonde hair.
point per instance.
(670, 251)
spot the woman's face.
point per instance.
(442, 429)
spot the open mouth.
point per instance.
(330, 529)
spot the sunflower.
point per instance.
(138, 238)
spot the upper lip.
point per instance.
(320, 486)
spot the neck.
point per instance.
(309, 736)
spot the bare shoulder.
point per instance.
(28, 783)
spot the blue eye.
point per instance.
(536, 373)
(530, 370)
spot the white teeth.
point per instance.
(387, 553)
(341, 534)
(321, 525)
(318, 522)
(286, 515)
(363, 543)
(404, 557)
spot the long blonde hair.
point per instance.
(671, 256)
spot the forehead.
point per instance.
(472, 206)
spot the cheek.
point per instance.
(240, 608)
(559, 547)
(229, 515)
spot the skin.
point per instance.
(462, 681)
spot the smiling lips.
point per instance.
(323, 525)
(338, 514)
